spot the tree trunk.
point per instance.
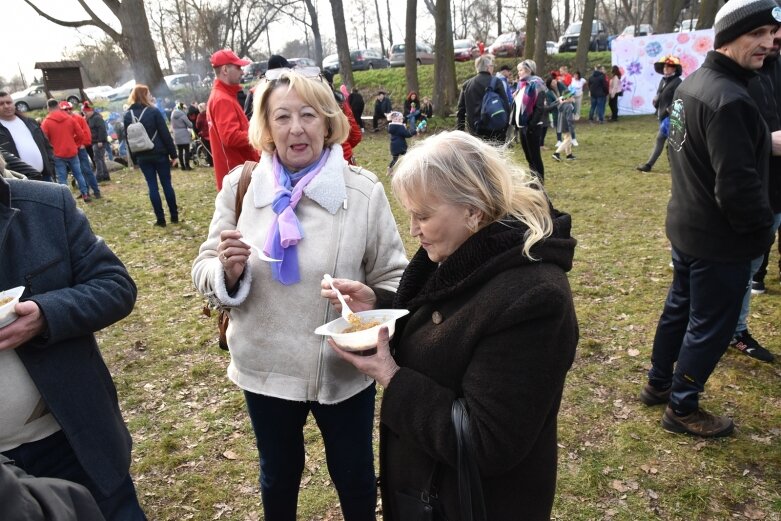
(135, 39)
(531, 29)
(566, 14)
(498, 17)
(584, 39)
(342, 44)
(390, 29)
(379, 27)
(543, 28)
(411, 46)
(310, 7)
(667, 14)
(445, 89)
(707, 14)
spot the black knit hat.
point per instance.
(278, 62)
(738, 17)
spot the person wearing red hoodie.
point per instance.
(64, 134)
(228, 125)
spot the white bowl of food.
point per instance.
(8, 300)
(361, 337)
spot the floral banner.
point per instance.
(635, 58)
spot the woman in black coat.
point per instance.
(491, 320)
(671, 69)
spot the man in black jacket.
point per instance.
(23, 138)
(719, 216)
(471, 100)
(97, 128)
(597, 89)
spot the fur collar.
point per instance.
(327, 188)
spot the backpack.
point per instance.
(493, 109)
(137, 136)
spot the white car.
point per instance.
(551, 47)
(99, 92)
(181, 81)
(122, 92)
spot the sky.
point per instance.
(31, 38)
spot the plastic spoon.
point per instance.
(346, 311)
(262, 256)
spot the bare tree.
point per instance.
(411, 46)
(134, 37)
(313, 24)
(666, 15)
(246, 20)
(342, 44)
(379, 27)
(531, 29)
(101, 59)
(584, 39)
(390, 28)
(445, 90)
(498, 17)
(544, 23)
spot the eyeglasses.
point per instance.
(312, 73)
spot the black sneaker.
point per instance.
(556, 156)
(651, 396)
(644, 167)
(757, 287)
(160, 223)
(698, 423)
(571, 157)
(746, 344)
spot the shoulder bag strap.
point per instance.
(244, 180)
(470, 489)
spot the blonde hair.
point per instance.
(314, 93)
(463, 170)
(140, 94)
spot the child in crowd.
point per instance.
(566, 125)
(399, 134)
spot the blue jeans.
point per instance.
(60, 164)
(696, 326)
(346, 428)
(86, 171)
(154, 167)
(53, 457)
(597, 107)
(756, 264)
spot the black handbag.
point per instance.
(423, 505)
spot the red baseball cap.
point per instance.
(227, 57)
(86, 106)
(65, 105)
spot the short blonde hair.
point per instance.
(463, 170)
(140, 94)
(314, 93)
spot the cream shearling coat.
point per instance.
(348, 231)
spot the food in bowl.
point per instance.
(365, 340)
(8, 300)
(356, 324)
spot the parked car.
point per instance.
(253, 70)
(34, 97)
(551, 47)
(331, 63)
(598, 42)
(98, 92)
(508, 44)
(630, 32)
(181, 81)
(365, 59)
(302, 62)
(690, 24)
(122, 92)
(465, 50)
(424, 54)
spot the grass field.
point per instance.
(194, 454)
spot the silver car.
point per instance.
(34, 97)
(424, 54)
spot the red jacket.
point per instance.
(354, 137)
(63, 133)
(84, 126)
(228, 128)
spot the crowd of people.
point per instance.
(491, 323)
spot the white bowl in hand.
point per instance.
(7, 314)
(364, 340)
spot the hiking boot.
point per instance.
(746, 344)
(698, 423)
(757, 287)
(160, 223)
(644, 167)
(651, 396)
(556, 156)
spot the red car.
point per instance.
(508, 44)
(465, 50)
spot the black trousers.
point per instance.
(530, 141)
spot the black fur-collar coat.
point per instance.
(500, 330)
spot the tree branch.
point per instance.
(94, 20)
(97, 22)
